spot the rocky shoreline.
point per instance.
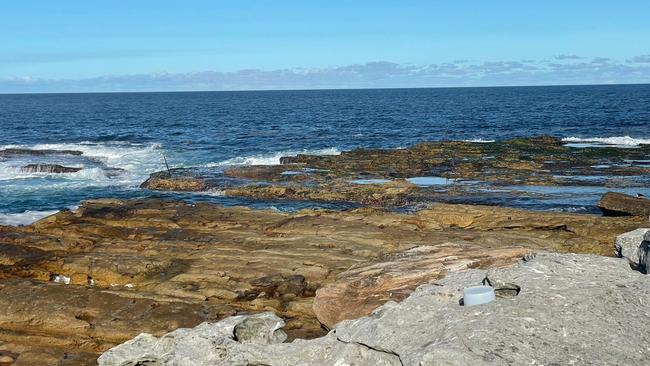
(414, 177)
(82, 282)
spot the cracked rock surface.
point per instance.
(570, 309)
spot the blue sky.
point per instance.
(133, 45)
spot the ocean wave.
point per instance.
(479, 140)
(272, 158)
(88, 174)
(116, 162)
(626, 141)
(24, 218)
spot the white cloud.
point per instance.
(641, 59)
(566, 70)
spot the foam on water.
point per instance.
(24, 218)
(615, 141)
(273, 158)
(479, 140)
(134, 162)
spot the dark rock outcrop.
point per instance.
(619, 204)
(48, 168)
(30, 152)
(380, 177)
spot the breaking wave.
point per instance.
(625, 141)
(479, 140)
(114, 163)
(24, 218)
(272, 158)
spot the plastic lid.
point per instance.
(477, 295)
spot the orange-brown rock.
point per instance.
(364, 287)
(478, 168)
(620, 204)
(126, 267)
(163, 181)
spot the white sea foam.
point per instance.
(9, 172)
(272, 158)
(622, 141)
(24, 218)
(479, 140)
(134, 161)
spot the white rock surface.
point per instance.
(570, 309)
(628, 245)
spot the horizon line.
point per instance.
(323, 89)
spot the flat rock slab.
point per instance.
(385, 177)
(126, 267)
(619, 204)
(569, 309)
(359, 290)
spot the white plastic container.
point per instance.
(477, 295)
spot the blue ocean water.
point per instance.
(123, 135)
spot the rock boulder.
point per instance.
(619, 204)
(635, 247)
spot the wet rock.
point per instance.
(564, 303)
(163, 181)
(263, 172)
(536, 161)
(359, 290)
(48, 168)
(619, 204)
(30, 152)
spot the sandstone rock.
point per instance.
(619, 204)
(164, 182)
(535, 161)
(153, 265)
(558, 317)
(6, 360)
(48, 168)
(359, 290)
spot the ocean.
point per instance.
(123, 136)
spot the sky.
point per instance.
(72, 45)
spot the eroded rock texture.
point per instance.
(568, 309)
(619, 204)
(538, 161)
(77, 283)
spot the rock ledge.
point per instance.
(556, 309)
